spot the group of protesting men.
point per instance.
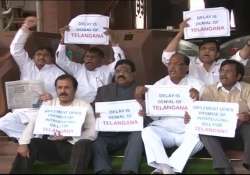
(81, 85)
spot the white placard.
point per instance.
(214, 118)
(66, 120)
(205, 23)
(23, 93)
(167, 100)
(87, 29)
(119, 116)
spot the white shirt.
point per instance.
(197, 70)
(88, 81)
(176, 124)
(88, 128)
(29, 71)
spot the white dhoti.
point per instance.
(158, 137)
(13, 123)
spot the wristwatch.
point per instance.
(248, 43)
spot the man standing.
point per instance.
(92, 73)
(40, 68)
(108, 142)
(229, 89)
(77, 150)
(167, 132)
(206, 66)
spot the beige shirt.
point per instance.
(240, 94)
(88, 128)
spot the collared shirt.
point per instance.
(29, 71)
(240, 94)
(187, 80)
(236, 86)
(197, 70)
(88, 128)
(176, 124)
(88, 81)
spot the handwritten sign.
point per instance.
(167, 100)
(209, 22)
(214, 118)
(67, 121)
(119, 116)
(87, 29)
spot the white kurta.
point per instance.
(13, 122)
(88, 81)
(197, 70)
(171, 131)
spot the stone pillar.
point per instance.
(55, 14)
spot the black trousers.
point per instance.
(78, 155)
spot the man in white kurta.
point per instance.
(206, 66)
(92, 73)
(166, 132)
(38, 68)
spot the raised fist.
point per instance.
(30, 22)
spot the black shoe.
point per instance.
(247, 166)
(225, 170)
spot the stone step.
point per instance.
(6, 163)
(234, 154)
